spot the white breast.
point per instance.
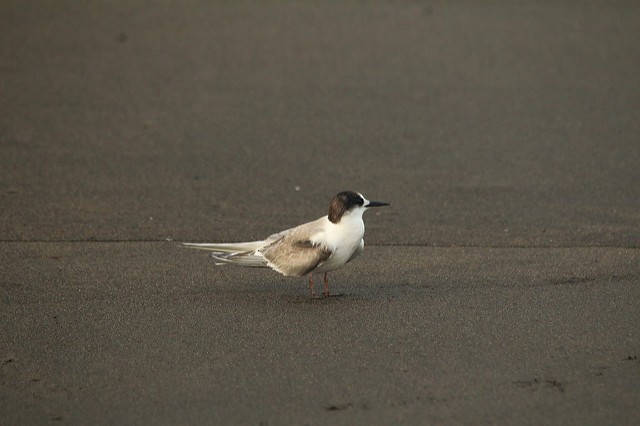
(343, 239)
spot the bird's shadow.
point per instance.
(320, 298)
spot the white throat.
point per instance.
(348, 232)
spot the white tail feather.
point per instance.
(227, 247)
(241, 259)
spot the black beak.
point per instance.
(376, 204)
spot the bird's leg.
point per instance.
(311, 284)
(325, 291)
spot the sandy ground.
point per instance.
(502, 286)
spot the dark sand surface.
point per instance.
(502, 286)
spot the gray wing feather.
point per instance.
(227, 247)
(242, 254)
(289, 252)
(293, 253)
(296, 258)
(238, 247)
(249, 259)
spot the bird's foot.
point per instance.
(325, 291)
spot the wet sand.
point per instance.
(502, 286)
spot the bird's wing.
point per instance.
(295, 258)
(275, 237)
(248, 258)
(240, 247)
(295, 253)
(227, 247)
(241, 254)
(289, 252)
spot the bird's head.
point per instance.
(350, 202)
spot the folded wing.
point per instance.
(295, 257)
(290, 252)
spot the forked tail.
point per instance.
(241, 254)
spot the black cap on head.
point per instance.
(342, 202)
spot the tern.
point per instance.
(313, 248)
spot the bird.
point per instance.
(313, 248)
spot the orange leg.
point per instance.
(326, 285)
(311, 284)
